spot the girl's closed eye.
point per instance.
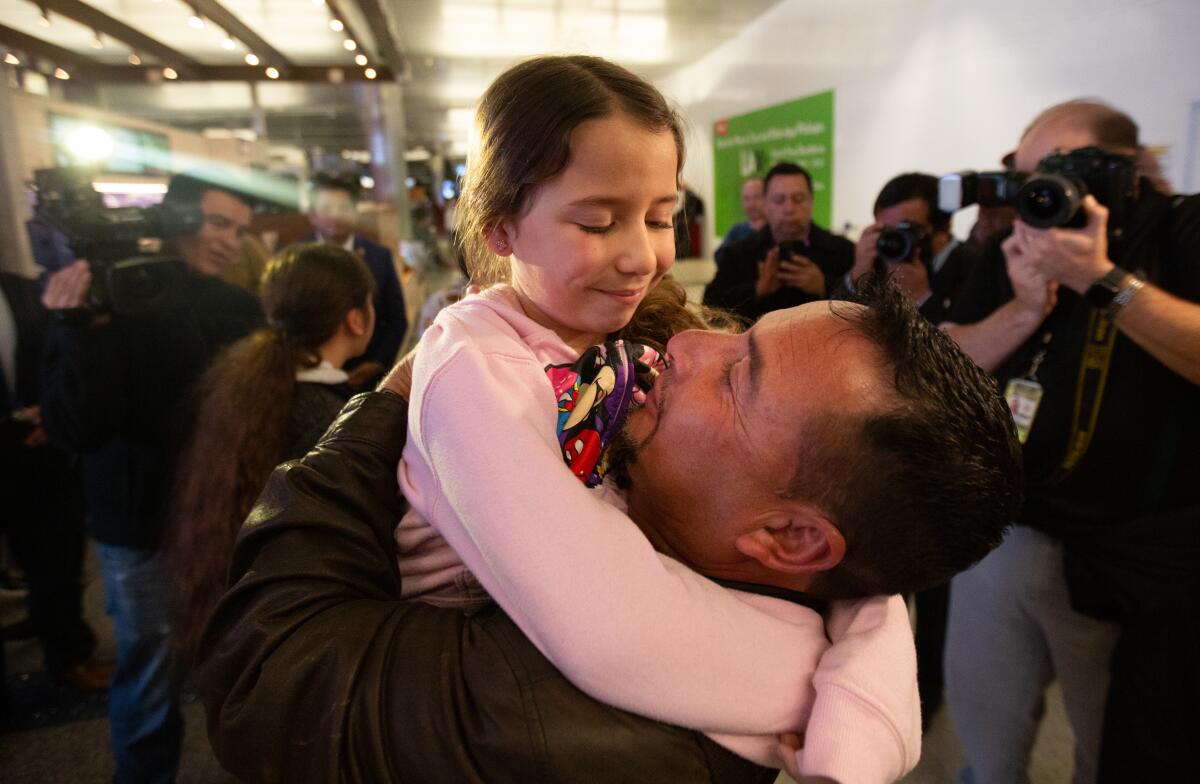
(596, 229)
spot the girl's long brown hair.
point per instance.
(241, 424)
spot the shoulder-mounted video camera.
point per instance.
(1053, 194)
(124, 246)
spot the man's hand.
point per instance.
(364, 374)
(800, 272)
(67, 289)
(864, 252)
(1076, 258)
(768, 275)
(1035, 292)
(399, 379)
(32, 416)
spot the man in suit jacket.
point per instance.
(332, 209)
(41, 496)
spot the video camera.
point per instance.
(901, 242)
(1053, 194)
(122, 245)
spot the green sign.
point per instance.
(746, 146)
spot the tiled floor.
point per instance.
(77, 753)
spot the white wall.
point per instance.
(941, 85)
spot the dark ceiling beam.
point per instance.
(36, 47)
(350, 32)
(212, 9)
(379, 22)
(103, 23)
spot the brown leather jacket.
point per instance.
(313, 670)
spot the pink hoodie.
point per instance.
(626, 624)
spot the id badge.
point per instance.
(1024, 396)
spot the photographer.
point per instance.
(789, 262)
(927, 262)
(113, 389)
(1095, 332)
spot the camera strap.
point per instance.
(1089, 391)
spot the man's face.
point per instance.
(752, 200)
(915, 211)
(332, 214)
(723, 432)
(789, 206)
(218, 242)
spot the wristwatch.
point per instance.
(1114, 291)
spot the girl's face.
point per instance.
(598, 236)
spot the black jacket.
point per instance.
(29, 320)
(114, 393)
(311, 669)
(737, 272)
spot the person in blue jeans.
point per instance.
(114, 387)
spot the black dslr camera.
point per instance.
(901, 242)
(1053, 194)
(122, 245)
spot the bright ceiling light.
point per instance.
(170, 73)
(272, 72)
(360, 59)
(134, 59)
(336, 25)
(196, 23)
(251, 58)
(367, 181)
(350, 44)
(228, 44)
(89, 144)
(60, 73)
(370, 73)
(11, 59)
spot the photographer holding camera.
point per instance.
(113, 391)
(1089, 319)
(789, 261)
(911, 240)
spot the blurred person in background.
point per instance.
(114, 390)
(247, 272)
(752, 206)
(333, 212)
(788, 262)
(1095, 333)
(40, 494)
(937, 263)
(266, 399)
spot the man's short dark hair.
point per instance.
(926, 487)
(785, 168)
(346, 183)
(187, 189)
(914, 185)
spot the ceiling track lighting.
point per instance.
(11, 59)
(134, 59)
(61, 73)
(170, 73)
(272, 72)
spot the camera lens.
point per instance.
(1048, 200)
(894, 245)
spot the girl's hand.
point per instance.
(399, 379)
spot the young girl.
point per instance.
(568, 198)
(267, 399)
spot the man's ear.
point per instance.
(500, 238)
(794, 541)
